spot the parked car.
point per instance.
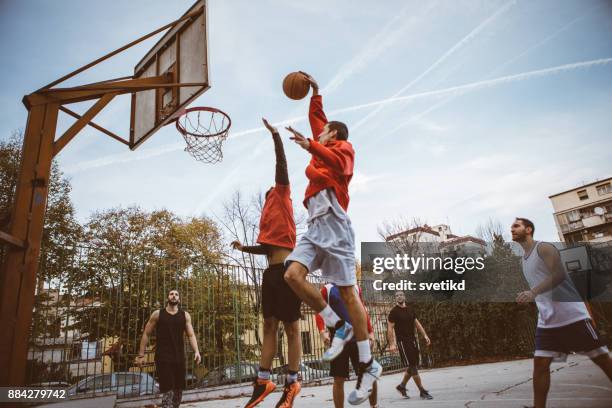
(125, 384)
(305, 373)
(50, 384)
(231, 374)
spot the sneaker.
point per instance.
(402, 390)
(289, 393)
(261, 388)
(368, 374)
(342, 336)
(426, 395)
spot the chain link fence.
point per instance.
(92, 305)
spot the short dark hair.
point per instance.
(340, 128)
(174, 290)
(527, 224)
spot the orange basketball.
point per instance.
(295, 85)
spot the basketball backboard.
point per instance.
(182, 54)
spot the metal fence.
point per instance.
(92, 305)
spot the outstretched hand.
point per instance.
(299, 138)
(313, 84)
(236, 245)
(268, 126)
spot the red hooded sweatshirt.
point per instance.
(331, 165)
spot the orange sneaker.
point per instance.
(289, 393)
(261, 388)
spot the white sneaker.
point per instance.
(342, 336)
(368, 375)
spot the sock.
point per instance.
(365, 355)
(329, 316)
(292, 377)
(263, 373)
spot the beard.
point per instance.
(173, 302)
(401, 302)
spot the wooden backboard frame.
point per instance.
(174, 57)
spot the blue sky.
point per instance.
(441, 137)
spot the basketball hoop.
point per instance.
(204, 129)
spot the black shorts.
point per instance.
(339, 367)
(409, 353)
(580, 337)
(171, 376)
(277, 298)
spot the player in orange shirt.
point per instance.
(276, 240)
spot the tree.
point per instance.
(61, 231)
(133, 259)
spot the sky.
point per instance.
(458, 111)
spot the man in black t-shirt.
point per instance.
(400, 332)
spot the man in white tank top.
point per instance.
(564, 323)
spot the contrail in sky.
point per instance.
(440, 60)
(460, 89)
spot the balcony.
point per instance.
(594, 220)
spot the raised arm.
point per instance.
(316, 115)
(281, 174)
(193, 342)
(144, 340)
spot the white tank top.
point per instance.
(552, 313)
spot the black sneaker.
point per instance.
(402, 390)
(426, 395)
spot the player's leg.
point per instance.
(177, 396)
(401, 387)
(412, 352)
(604, 361)
(263, 386)
(541, 380)
(374, 396)
(292, 385)
(165, 376)
(338, 392)
(296, 279)
(294, 341)
(180, 372)
(268, 347)
(339, 369)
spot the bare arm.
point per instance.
(144, 340)
(421, 330)
(552, 260)
(193, 342)
(255, 249)
(282, 175)
(391, 335)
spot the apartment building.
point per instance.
(584, 214)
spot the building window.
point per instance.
(604, 189)
(306, 343)
(573, 216)
(583, 195)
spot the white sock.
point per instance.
(329, 316)
(365, 355)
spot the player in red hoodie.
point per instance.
(279, 303)
(329, 243)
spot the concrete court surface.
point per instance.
(575, 383)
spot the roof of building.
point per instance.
(583, 186)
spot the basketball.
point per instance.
(296, 86)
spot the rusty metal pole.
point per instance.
(18, 272)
